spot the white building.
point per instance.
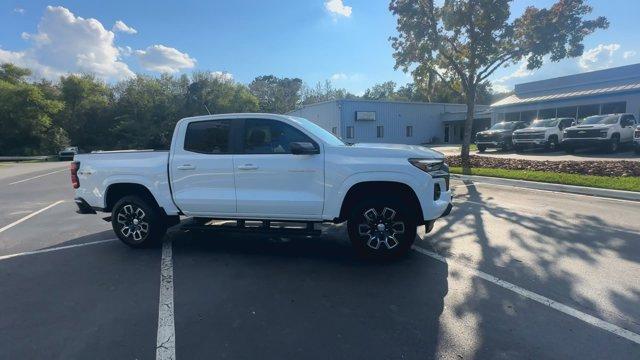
(609, 91)
(394, 121)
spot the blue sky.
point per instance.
(342, 40)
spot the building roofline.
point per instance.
(385, 101)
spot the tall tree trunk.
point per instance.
(468, 128)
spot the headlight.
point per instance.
(430, 165)
(565, 132)
(603, 133)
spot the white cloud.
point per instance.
(629, 54)
(163, 59)
(337, 7)
(120, 26)
(600, 57)
(125, 50)
(19, 10)
(338, 77)
(520, 72)
(500, 88)
(65, 43)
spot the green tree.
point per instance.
(26, 126)
(383, 91)
(464, 41)
(86, 116)
(324, 91)
(276, 95)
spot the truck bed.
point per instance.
(149, 168)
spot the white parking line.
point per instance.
(166, 339)
(4, 257)
(614, 329)
(30, 216)
(35, 177)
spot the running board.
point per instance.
(264, 227)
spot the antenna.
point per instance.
(205, 106)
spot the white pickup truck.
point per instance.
(546, 133)
(608, 131)
(267, 168)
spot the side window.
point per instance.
(208, 137)
(265, 136)
(629, 120)
(565, 123)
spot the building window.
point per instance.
(527, 116)
(512, 116)
(334, 130)
(588, 110)
(349, 132)
(547, 114)
(569, 111)
(409, 131)
(614, 108)
(380, 131)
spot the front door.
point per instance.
(270, 180)
(202, 177)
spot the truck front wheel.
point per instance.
(381, 228)
(137, 223)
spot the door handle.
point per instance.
(247, 167)
(186, 167)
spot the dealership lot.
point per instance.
(511, 273)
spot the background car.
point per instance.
(68, 153)
(608, 131)
(545, 133)
(498, 136)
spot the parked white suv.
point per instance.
(608, 131)
(545, 133)
(267, 168)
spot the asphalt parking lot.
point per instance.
(511, 273)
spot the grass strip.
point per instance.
(631, 183)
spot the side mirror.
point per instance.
(303, 148)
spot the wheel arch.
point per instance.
(117, 191)
(387, 187)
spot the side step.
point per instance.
(270, 227)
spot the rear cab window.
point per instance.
(208, 137)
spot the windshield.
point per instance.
(503, 126)
(69, 149)
(544, 123)
(316, 130)
(600, 119)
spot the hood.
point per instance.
(594, 126)
(493, 132)
(532, 129)
(399, 150)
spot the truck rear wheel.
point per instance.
(137, 223)
(382, 228)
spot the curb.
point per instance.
(571, 189)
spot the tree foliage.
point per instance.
(276, 95)
(462, 42)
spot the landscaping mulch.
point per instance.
(601, 168)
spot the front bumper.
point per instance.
(585, 142)
(530, 142)
(491, 144)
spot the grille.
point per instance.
(527, 136)
(587, 133)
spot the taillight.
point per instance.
(74, 166)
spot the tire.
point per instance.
(382, 227)
(552, 144)
(507, 146)
(614, 144)
(518, 148)
(481, 148)
(129, 218)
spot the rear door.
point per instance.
(271, 182)
(202, 176)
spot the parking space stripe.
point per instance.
(30, 216)
(36, 177)
(166, 339)
(614, 329)
(4, 257)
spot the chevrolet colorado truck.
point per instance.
(267, 168)
(545, 133)
(498, 136)
(606, 131)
